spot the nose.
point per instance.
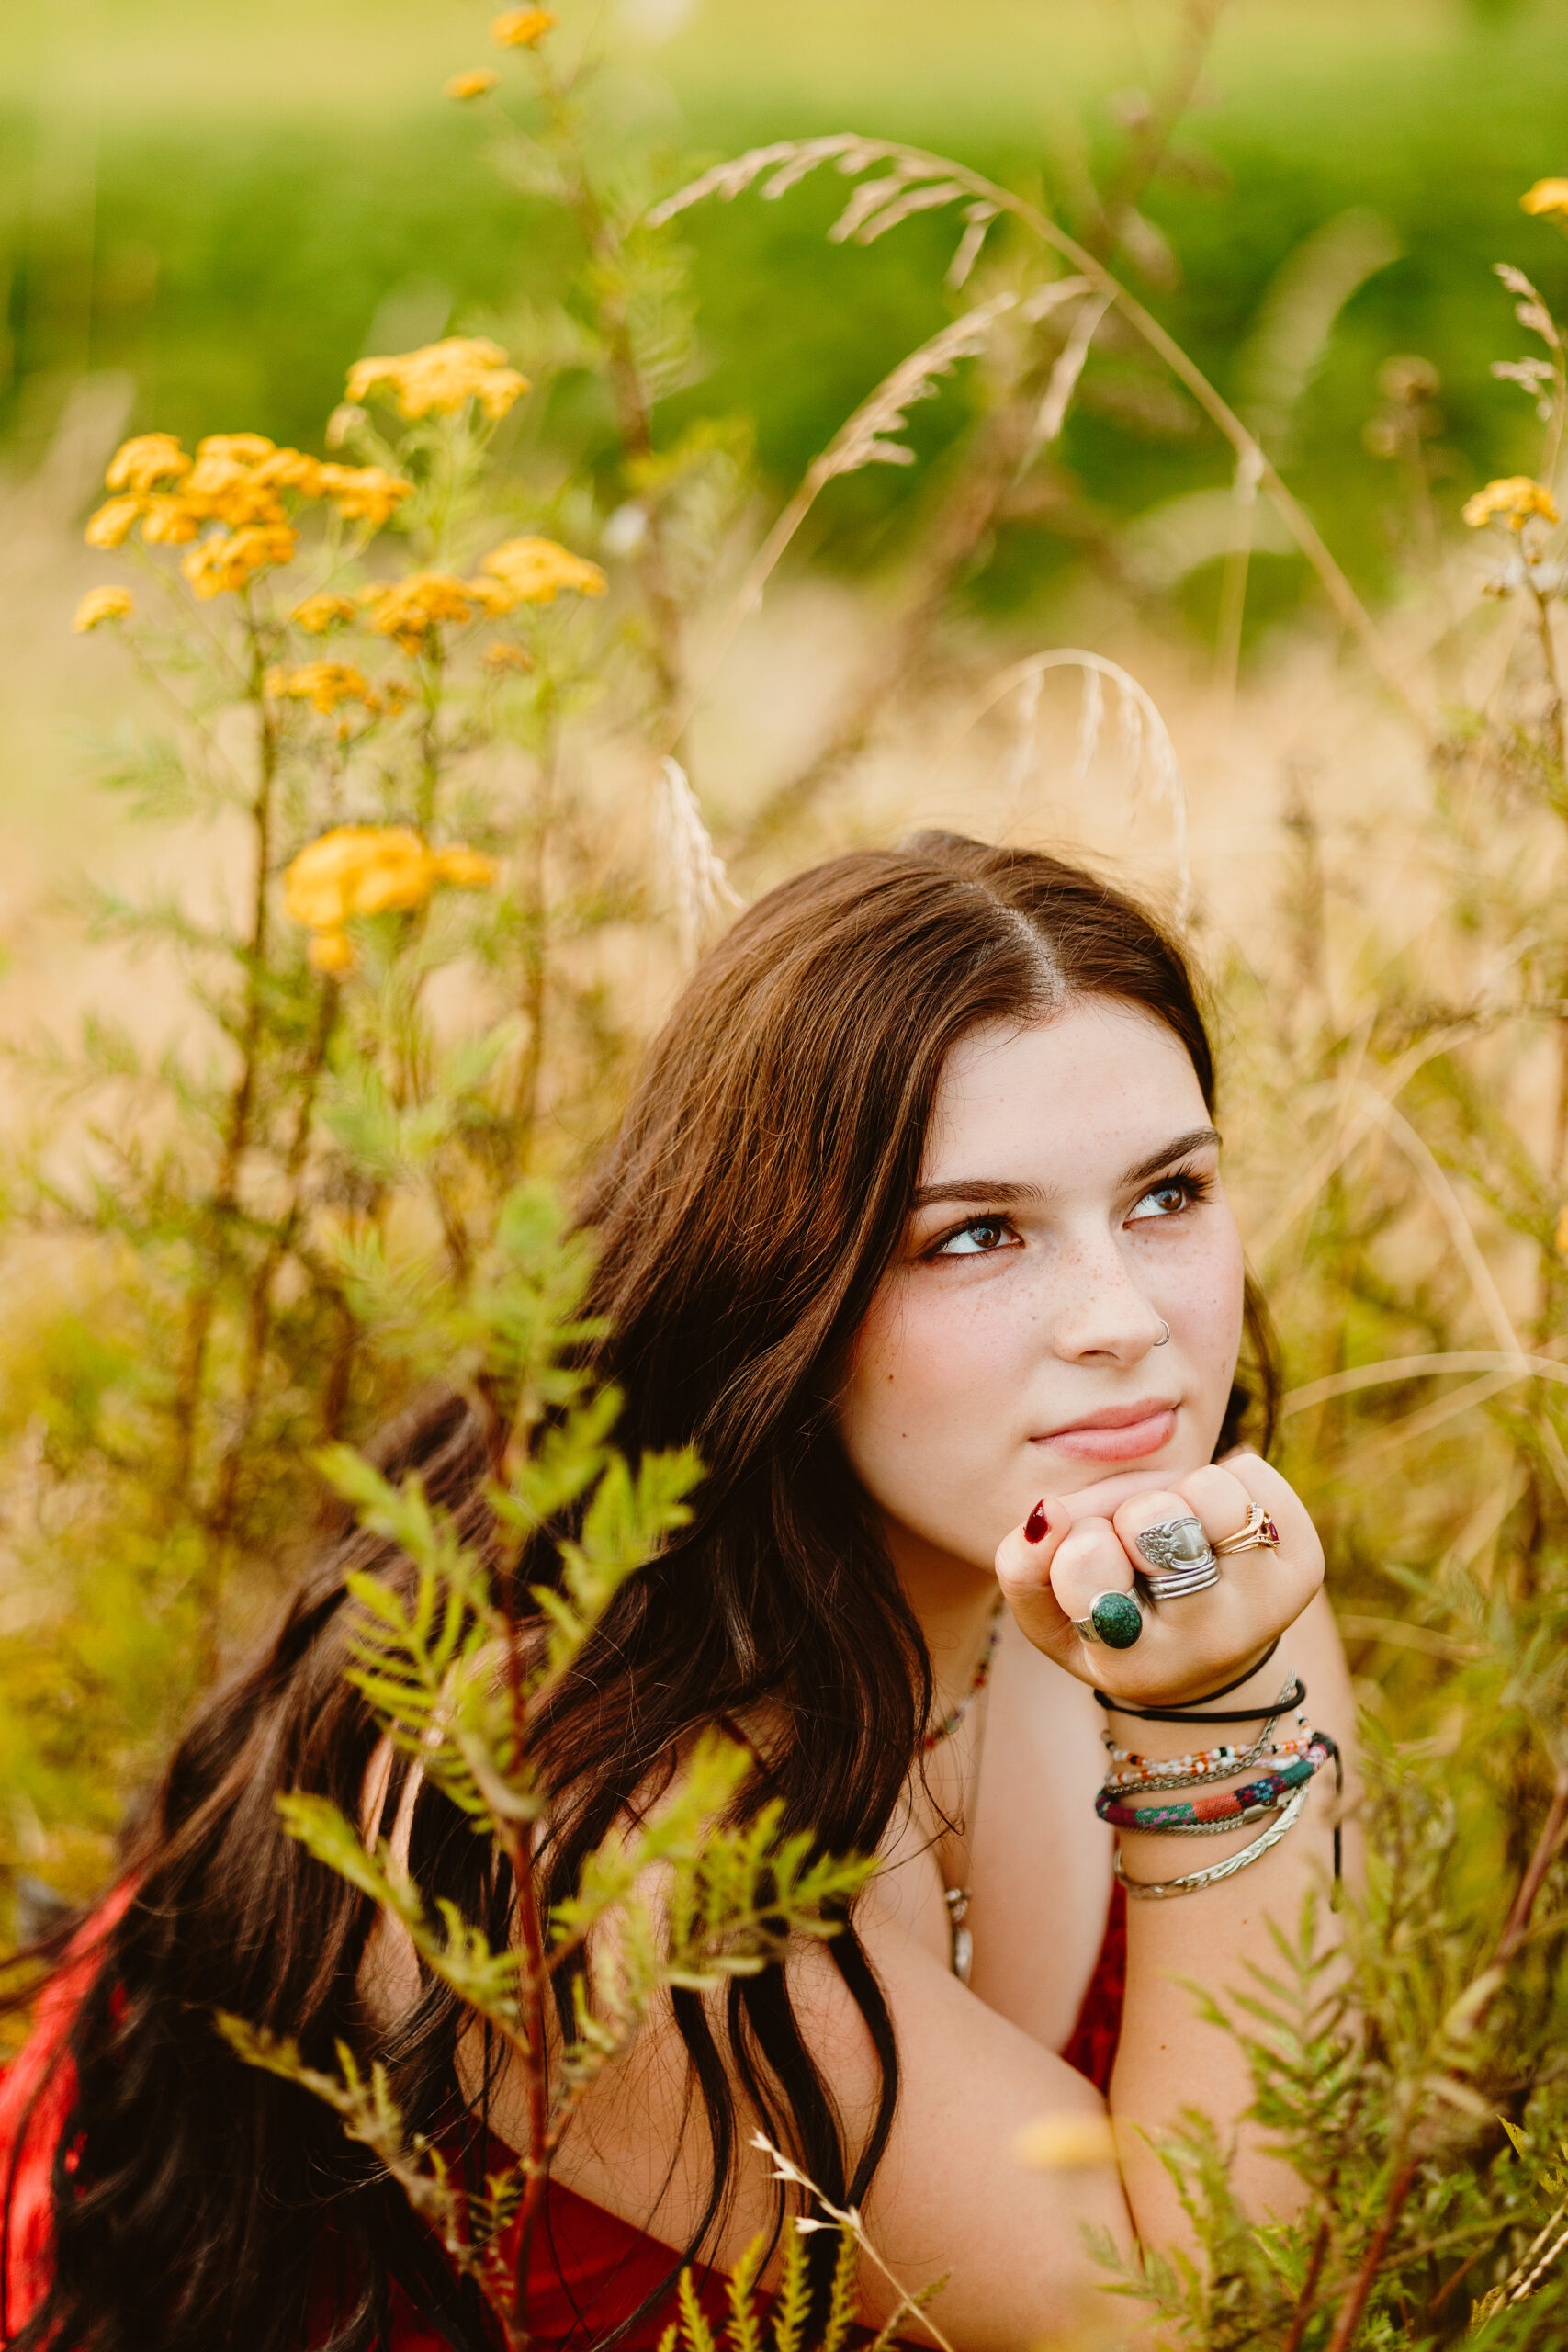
(1097, 1312)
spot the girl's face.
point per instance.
(1069, 1207)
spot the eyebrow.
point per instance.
(1002, 1192)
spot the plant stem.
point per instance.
(1554, 1830)
(1554, 709)
(1355, 2303)
(221, 1515)
(627, 390)
(1306, 2302)
(219, 1206)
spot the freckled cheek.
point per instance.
(921, 1370)
(1211, 1311)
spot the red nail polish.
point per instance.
(1037, 1526)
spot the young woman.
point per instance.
(915, 1228)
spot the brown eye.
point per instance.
(1164, 1200)
(976, 1239)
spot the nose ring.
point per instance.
(1164, 1332)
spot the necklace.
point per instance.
(960, 1940)
(977, 1682)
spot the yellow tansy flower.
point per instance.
(1547, 196)
(492, 596)
(110, 525)
(323, 684)
(440, 376)
(364, 493)
(520, 28)
(372, 870)
(226, 562)
(142, 463)
(1070, 2140)
(330, 951)
(465, 868)
(321, 611)
(1515, 499)
(290, 469)
(499, 655)
(167, 521)
(537, 570)
(234, 448)
(476, 84)
(409, 608)
(101, 605)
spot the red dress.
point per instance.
(588, 2269)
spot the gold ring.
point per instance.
(1259, 1535)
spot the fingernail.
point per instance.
(1037, 1526)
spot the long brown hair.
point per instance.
(745, 1212)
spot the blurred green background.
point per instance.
(231, 205)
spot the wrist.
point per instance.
(1240, 1708)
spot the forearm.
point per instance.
(1170, 2059)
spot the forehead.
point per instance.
(1098, 1084)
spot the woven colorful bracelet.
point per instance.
(1223, 1805)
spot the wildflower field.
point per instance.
(454, 559)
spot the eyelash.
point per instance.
(1196, 1186)
(1190, 1180)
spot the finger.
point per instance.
(1023, 1571)
(1089, 1561)
(1164, 1509)
(1052, 1577)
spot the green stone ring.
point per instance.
(1114, 1621)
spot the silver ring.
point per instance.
(1164, 1333)
(1181, 1556)
(1115, 1620)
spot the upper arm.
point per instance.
(949, 2196)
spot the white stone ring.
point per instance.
(1182, 1555)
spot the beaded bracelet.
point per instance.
(1226, 1807)
(1206, 1764)
(1279, 1752)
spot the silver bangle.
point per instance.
(1157, 1890)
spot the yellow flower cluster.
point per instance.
(321, 611)
(534, 570)
(371, 870)
(437, 379)
(476, 84)
(1547, 196)
(1514, 500)
(236, 480)
(222, 565)
(520, 28)
(409, 609)
(323, 684)
(100, 604)
(499, 655)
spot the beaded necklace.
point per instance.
(977, 1682)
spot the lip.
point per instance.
(1117, 1432)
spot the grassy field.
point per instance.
(232, 218)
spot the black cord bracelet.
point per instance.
(1295, 1697)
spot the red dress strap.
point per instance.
(1091, 2046)
(38, 2090)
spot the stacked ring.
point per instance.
(1182, 1553)
(1114, 1621)
(1259, 1535)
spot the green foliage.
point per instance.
(686, 1899)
